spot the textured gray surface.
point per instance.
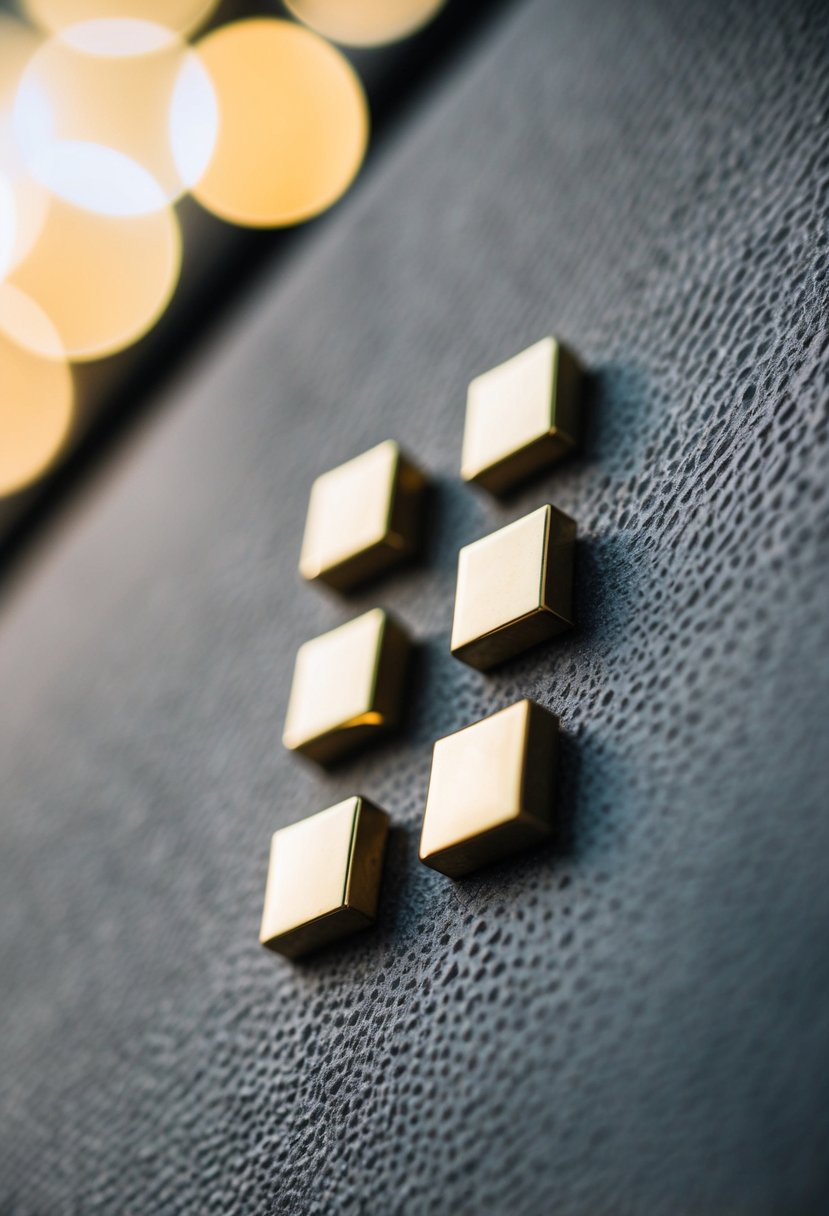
(634, 1022)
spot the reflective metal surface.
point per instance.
(521, 416)
(363, 518)
(514, 588)
(491, 789)
(324, 877)
(348, 687)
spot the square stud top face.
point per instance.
(347, 685)
(308, 870)
(514, 588)
(362, 518)
(476, 780)
(500, 578)
(323, 877)
(520, 416)
(490, 790)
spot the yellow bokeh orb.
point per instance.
(22, 199)
(36, 407)
(100, 281)
(365, 22)
(18, 43)
(117, 116)
(293, 123)
(8, 224)
(180, 15)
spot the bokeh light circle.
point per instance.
(18, 43)
(27, 213)
(8, 224)
(101, 281)
(22, 200)
(293, 123)
(36, 407)
(365, 22)
(117, 116)
(179, 15)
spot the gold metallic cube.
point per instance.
(521, 416)
(491, 792)
(363, 518)
(324, 877)
(514, 589)
(348, 687)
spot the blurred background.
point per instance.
(153, 157)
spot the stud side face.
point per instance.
(490, 790)
(514, 588)
(347, 688)
(323, 877)
(363, 517)
(521, 416)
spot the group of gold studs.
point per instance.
(491, 788)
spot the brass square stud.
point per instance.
(521, 416)
(363, 518)
(491, 789)
(324, 877)
(348, 687)
(515, 588)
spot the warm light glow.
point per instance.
(365, 22)
(22, 200)
(36, 407)
(293, 123)
(193, 120)
(180, 15)
(8, 224)
(18, 43)
(101, 281)
(116, 116)
(24, 208)
(118, 37)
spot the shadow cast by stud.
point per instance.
(366, 942)
(557, 849)
(612, 413)
(606, 585)
(605, 595)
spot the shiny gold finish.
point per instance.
(348, 687)
(324, 877)
(363, 517)
(491, 789)
(521, 416)
(514, 588)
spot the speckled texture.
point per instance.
(635, 1021)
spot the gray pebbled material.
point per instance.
(636, 1021)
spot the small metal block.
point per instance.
(514, 589)
(521, 416)
(348, 687)
(491, 789)
(324, 877)
(363, 518)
